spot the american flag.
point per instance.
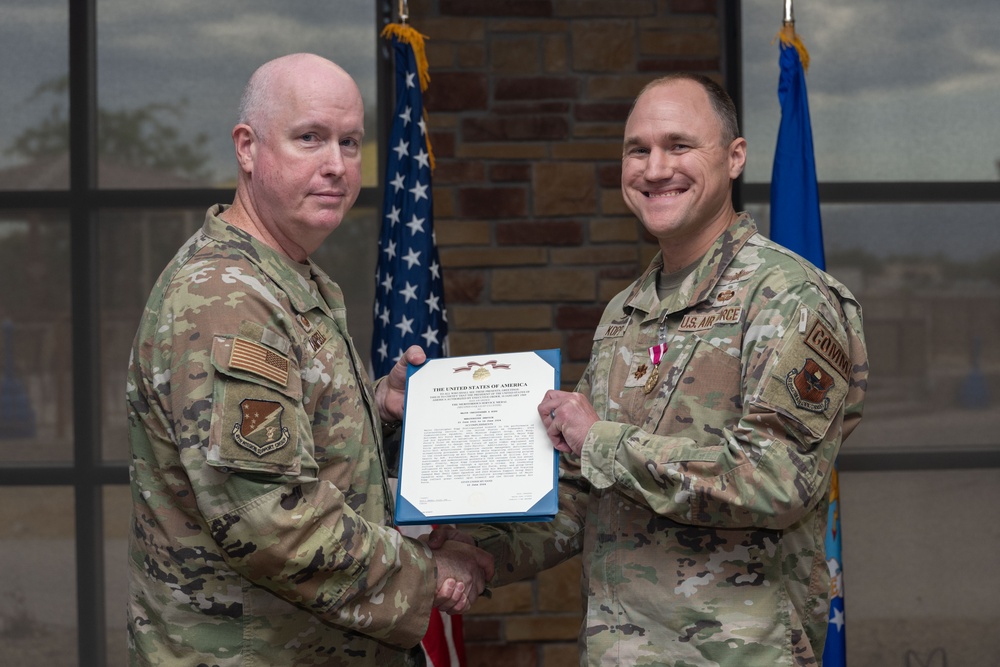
(409, 291)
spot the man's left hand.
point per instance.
(392, 391)
(567, 416)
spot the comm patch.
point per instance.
(259, 429)
(821, 340)
(259, 360)
(805, 383)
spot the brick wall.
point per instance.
(526, 107)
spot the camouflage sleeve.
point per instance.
(769, 463)
(521, 550)
(324, 558)
(279, 522)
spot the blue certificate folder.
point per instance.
(543, 510)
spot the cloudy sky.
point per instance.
(899, 90)
(191, 50)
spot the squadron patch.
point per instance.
(259, 429)
(809, 385)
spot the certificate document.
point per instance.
(473, 446)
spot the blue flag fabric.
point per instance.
(835, 651)
(409, 290)
(796, 224)
(795, 220)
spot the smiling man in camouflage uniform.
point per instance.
(701, 439)
(260, 526)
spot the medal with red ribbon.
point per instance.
(655, 356)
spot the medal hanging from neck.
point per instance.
(655, 356)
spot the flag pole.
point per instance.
(788, 36)
(409, 290)
(796, 224)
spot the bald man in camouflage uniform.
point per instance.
(701, 439)
(261, 515)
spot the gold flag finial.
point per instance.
(409, 35)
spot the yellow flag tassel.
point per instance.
(789, 37)
(409, 35)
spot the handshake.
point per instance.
(463, 570)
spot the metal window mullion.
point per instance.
(88, 506)
(888, 192)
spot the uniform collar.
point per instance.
(700, 283)
(291, 276)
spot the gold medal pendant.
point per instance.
(651, 381)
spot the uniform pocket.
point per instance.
(256, 409)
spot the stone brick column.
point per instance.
(527, 104)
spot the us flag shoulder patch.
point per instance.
(259, 360)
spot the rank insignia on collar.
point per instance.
(316, 341)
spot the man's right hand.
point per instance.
(462, 573)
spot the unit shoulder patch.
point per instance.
(260, 429)
(808, 381)
(257, 429)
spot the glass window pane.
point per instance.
(928, 279)
(36, 410)
(38, 586)
(170, 75)
(117, 509)
(920, 571)
(135, 246)
(899, 90)
(34, 135)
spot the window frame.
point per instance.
(864, 192)
(88, 473)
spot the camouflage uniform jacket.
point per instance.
(700, 505)
(260, 502)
